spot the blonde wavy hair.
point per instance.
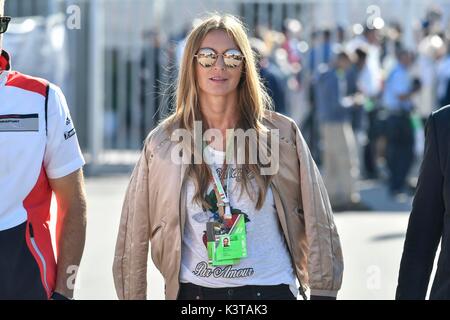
(253, 102)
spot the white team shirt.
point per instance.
(32, 146)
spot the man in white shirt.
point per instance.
(40, 156)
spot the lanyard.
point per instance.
(225, 201)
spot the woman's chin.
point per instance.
(218, 92)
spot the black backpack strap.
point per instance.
(46, 106)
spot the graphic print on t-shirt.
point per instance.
(202, 269)
(267, 262)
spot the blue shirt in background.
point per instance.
(397, 84)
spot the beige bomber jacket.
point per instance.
(154, 211)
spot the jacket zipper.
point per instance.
(181, 231)
(300, 288)
(41, 257)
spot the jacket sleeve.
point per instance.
(425, 223)
(325, 261)
(131, 254)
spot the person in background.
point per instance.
(428, 223)
(425, 69)
(311, 125)
(354, 89)
(370, 86)
(271, 75)
(326, 48)
(443, 75)
(397, 95)
(340, 156)
(40, 156)
(341, 35)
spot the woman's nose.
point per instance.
(220, 63)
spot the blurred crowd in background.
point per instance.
(359, 95)
(359, 92)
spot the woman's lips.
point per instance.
(218, 79)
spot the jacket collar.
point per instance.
(5, 61)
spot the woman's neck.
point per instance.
(220, 113)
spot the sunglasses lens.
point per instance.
(233, 58)
(232, 62)
(206, 59)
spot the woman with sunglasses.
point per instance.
(279, 224)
